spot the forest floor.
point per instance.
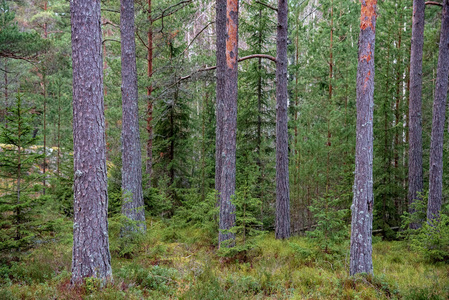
(182, 263)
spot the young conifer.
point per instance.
(18, 158)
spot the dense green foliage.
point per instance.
(178, 258)
(19, 177)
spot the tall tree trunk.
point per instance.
(149, 161)
(259, 116)
(45, 23)
(386, 157)
(91, 257)
(282, 180)
(415, 172)
(44, 85)
(220, 89)
(58, 158)
(171, 147)
(132, 206)
(203, 142)
(5, 91)
(44, 164)
(299, 209)
(439, 113)
(329, 134)
(228, 136)
(259, 92)
(397, 112)
(363, 202)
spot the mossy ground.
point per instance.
(182, 263)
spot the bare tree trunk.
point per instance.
(6, 87)
(203, 143)
(398, 95)
(282, 180)
(149, 161)
(220, 89)
(386, 157)
(329, 134)
(58, 158)
(259, 117)
(415, 172)
(44, 83)
(299, 209)
(44, 164)
(91, 257)
(439, 114)
(133, 206)
(228, 136)
(363, 202)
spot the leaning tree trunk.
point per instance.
(439, 112)
(363, 201)
(282, 181)
(220, 90)
(415, 173)
(91, 257)
(132, 206)
(228, 136)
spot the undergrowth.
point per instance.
(172, 262)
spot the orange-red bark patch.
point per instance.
(367, 76)
(368, 14)
(231, 41)
(367, 56)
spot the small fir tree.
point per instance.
(18, 158)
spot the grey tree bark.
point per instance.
(282, 178)
(149, 145)
(91, 257)
(363, 201)
(132, 206)
(220, 89)
(439, 114)
(228, 135)
(415, 172)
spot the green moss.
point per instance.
(188, 268)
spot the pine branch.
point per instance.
(434, 3)
(201, 31)
(110, 40)
(316, 8)
(240, 60)
(109, 23)
(266, 5)
(29, 59)
(110, 10)
(185, 2)
(141, 40)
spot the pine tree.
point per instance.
(132, 206)
(220, 90)
(415, 167)
(282, 172)
(439, 112)
(362, 207)
(228, 138)
(18, 159)
(91, 256)
(13, 42)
